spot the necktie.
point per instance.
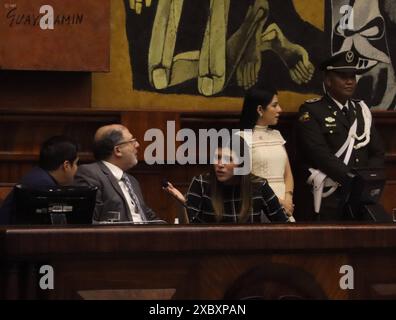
(347, 113)
(133, 196)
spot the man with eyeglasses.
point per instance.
(119, 197)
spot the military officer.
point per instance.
(335, 134)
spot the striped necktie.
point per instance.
(133, 196)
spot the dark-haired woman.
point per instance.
(221, 196)
(261, 110)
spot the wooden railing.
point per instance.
(200, 262)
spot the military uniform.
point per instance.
(322, 130)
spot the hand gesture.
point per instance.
(175, 193)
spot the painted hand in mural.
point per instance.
(137, 5)
(294, 56)
(251, 41)
(243, 47)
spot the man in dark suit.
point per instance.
(119, 197)
(335, 134)
(57, 167)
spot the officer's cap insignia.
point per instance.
(345, 61)
(330, 119)
(305, 117)
(313, 100)
(349, 56)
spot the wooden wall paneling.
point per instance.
(37, 89)
(23, 131)
(139, 122)
(385, 125)
(388, 197)
(5, 189)
(200, 262)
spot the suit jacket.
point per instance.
(37, 178)
(109, 196)
(323, 129)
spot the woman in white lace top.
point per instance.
(261, 110)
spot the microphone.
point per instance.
(165, 184)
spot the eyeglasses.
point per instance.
(133, 141)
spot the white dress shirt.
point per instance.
(339, 104)
(118, 173)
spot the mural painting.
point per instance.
(182, 51)
(222, 47)
(364, 27)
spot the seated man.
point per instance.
(119, 196)
(57, 167)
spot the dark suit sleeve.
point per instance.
(150, 214)
(315, 147)
(84, 178)
(376, 149)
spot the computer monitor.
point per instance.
(365, 195)
(369, 185)
(60, 205)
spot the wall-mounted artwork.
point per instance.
(203, 55)
(367, 28)
(59, 35)
(222, 47)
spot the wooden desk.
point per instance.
(199, 262)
